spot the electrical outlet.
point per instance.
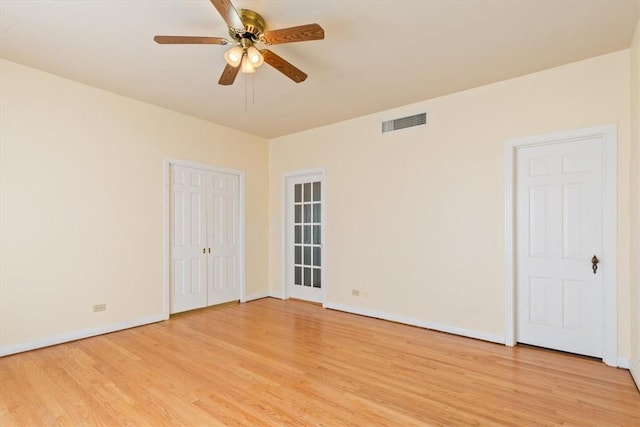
(355, 292)
(364, 294)
(100, 307)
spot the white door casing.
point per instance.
(218, 252)
(304, 235)
(560, 211)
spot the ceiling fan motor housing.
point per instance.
(254, 25)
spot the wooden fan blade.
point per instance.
(283, 66)
(190, 40)
(228, 75)
(301, 33)
(229, 14)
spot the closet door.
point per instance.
(205, 238)
(223, 238)
(188, 239)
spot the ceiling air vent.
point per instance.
(404, 122)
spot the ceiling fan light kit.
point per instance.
(249, 58)
(246, 28)
(234, 56)
(247, 67)
(255, 57)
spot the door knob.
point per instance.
(594, 264)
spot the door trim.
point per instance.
(166, 226)
(608, 135)
(285, 251)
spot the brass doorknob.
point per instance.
(594, 264)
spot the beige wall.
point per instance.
(81, 205)
(416, 219)
(635, 205)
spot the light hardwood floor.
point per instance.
(272, 362)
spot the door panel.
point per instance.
(188, 262)
(539, 227)
(574, 302)
(223, 237)
(537, 300)
(559, 229)
(574, 221)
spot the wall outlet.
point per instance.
(355, 292)
(100, 307)
(364, 294)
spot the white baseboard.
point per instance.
(73, 336)
(622, 363)
(277, 295)
(469, 333)
(256, 296)
(635, 375)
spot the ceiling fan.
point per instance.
(247, 28)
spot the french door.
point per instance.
(304, 218)
(205, 238)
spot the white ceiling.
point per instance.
(376, 55)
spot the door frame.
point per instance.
(609, 138)
(166, 214)
(287, 239)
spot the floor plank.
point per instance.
(272, 362)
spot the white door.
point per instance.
(559, 220)
(205, 238)
(188, 239)
(305, 235)
(223, 238)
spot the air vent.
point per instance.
(404, 122)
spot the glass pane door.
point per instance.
(305, 225)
